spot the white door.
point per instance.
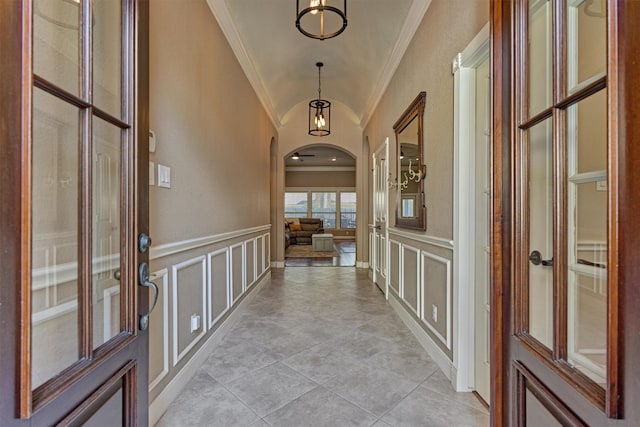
(481, 239)
(378, 230)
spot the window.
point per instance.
(325, 204)
(348, 210)
(295, 205)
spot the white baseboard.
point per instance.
(362, 264)
(435, 352)
(277, 264)
(160, 404)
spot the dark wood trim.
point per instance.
(525, 380)
(98, 398)
(538, 118)
(582, 93)
(501, 119)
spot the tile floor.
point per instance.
(320, 346)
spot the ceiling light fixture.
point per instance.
(314, 20)
(319, 112)
(334, 158)
(295, 156)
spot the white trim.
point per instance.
(249, 281)
(177, 356)
(463, 68)
(446, 341)
(225, 20)
(423, 238)
(175, 387)
(106, 313)
(362, 264)
(167, 249)
(234, 297)
(53, 312)
(399, 245)
(434, 351)
(210, 256)
(164, 273)
(277, 264)
(266, 253)
(419, 278)
(68, 272)
(586, 177)
(414, 18)
(320, 169)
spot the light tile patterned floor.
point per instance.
(320, 346)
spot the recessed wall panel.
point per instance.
(237, 270)
(410, 276)
(189, 299)
(219, 298)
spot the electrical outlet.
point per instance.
(434, 313)
(195, 322)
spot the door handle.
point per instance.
(535, 257)
(143, 280)
(378, 227)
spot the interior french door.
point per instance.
(379, 234)
(562, 121)
(74, 201)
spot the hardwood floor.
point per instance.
(346, 257)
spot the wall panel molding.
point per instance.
(178, 355)
(232, 278)
(419, 283)
(164, 275)
(167, 249)
(422, 238)
(425, 319)
(210, 274)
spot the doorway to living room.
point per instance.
(320, 208)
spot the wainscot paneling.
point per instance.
(394, 265)
(219, 285)
(250, 262)
(410, 277)
(159, 330)
(237, 271)
(189, 305)
(437, 293)
(260, 264)
(267, 252)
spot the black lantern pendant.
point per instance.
(321, 21)
(319, 112)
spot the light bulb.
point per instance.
(314, 3)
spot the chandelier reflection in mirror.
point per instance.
(319, 112)
(321, 20)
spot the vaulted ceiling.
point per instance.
(280, 61)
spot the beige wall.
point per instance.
(448, 26)
(212, 131)
(446, 29)
(210, 128)
(320, 179)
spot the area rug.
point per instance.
(306, 251)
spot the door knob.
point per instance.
(535, 257)
(143, 280)
(144, 242)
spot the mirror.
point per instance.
(410, 209)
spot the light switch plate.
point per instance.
(601, 185)
(152, 173)
(164, 176)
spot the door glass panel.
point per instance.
(107, 56)
(106, 231)
(541, 232)
(586, 41)
(56, 35)
(588, 133)
(540, 59)
(54, 274)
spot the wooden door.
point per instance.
(74, 201)
(565, 251)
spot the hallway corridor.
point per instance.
(321, 347)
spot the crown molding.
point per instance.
(223, 16)
(320, 169)
(414, 18)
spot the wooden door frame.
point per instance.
(16, 86)
(623, 81)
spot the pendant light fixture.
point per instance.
(319, 112)
(321, 21)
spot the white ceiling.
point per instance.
(280, 61)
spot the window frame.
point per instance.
(310, 190)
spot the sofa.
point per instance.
(298, 231)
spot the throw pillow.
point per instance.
(295, 227)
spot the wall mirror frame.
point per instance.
(411, 211)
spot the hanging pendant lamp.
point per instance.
(319, 112)
(321, 21)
